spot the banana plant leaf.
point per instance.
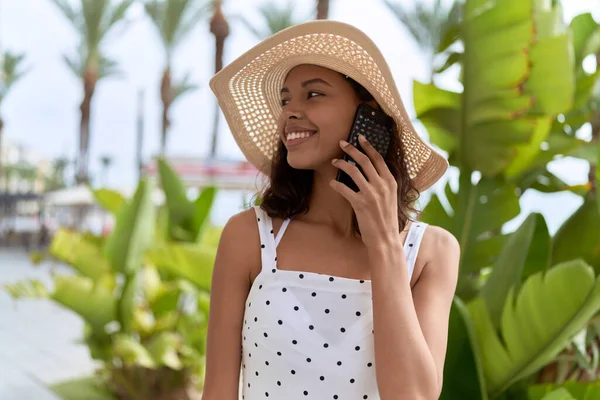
(518, 72)
(134, 231)
(110, 200)
(579, 236)
(476, 215)
(81, 254)
(132, 352)
(524, 251)
(586, 36)
(536, 322)
(164, 350)
(191, 262)
(126, 304)
(559, 394)
(463, 369)
(99, 307)
(89, 388)
(578, 390)
(202, 207)
(180, 209)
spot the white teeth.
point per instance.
(298, 135)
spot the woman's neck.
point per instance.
(326, 206)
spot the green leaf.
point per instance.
(579, 390)
(126, 303)
(89, 388)
(134, 231)
(181, 210)
(536, 322)
(110, 200)
(508, 269)
(193, 263)
(99, 307)
(429, 97)
(30, 288)
(164, 350)
(508, 61)
(584, 28)
(539, 255)
(463, 370)
(559, 394)
(81, 254)
(476, 215)
(131, 352)
(579, 236)
(202, 208)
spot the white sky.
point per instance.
(42, 112)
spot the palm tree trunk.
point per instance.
(322, 9)
(220, 29)
(89, 87)
(166, 95)
(1, 165)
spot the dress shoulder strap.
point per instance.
(412, 244)
(267, 242)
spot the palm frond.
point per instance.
(94, 13)
(183, 86)
(108, 67)
(118, 11)
(66, 8)
(192, 17)
(278, 17)
(175, 19)
(257, 32)
(10, 72)
(427, 24)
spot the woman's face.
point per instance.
(318, 110)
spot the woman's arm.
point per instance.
(237, 255)
(411, 328)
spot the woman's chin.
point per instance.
(301, 163)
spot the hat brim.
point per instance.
(248, 91)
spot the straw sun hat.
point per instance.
(248, 90)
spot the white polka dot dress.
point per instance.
(308, 335)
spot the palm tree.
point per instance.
(93, 20)
(275, 18)
(10, 73)
(106, 162)
(322, 9)
(219, 27)
(174, 20)
(56, 180)
(427, 24)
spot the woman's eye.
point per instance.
(284, 102)
(310, 94)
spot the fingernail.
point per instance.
(343, 143)
(334, 161)
(362, 138)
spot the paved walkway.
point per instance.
(37, 338)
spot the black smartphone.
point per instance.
(377, 127)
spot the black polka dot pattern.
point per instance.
(309, 335)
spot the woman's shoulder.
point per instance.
(437, 242)
(242, 224)
(240, 234)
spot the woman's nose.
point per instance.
(291, 111)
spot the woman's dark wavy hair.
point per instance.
(288, 191)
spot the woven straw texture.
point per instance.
(248, 90)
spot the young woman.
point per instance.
(323, 292)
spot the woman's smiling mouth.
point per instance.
(294, 139)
